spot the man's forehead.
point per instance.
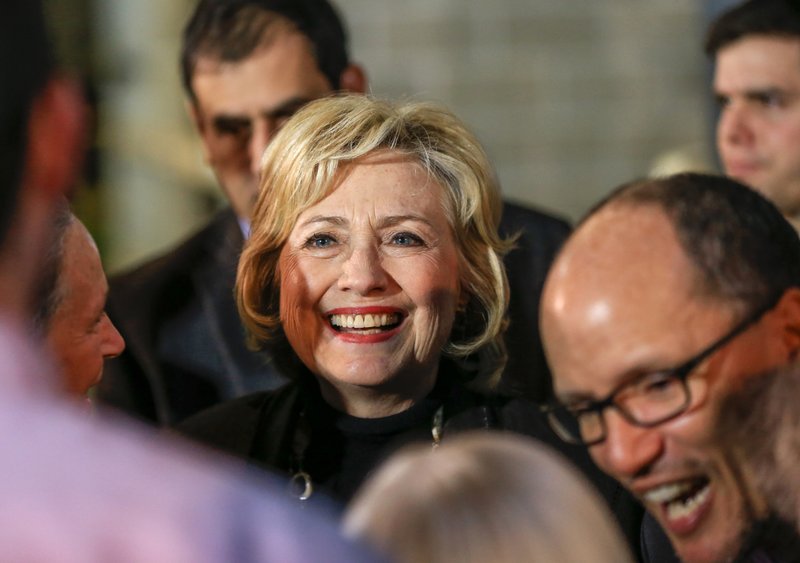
(622, 243)
(283, 70)
(758, 61)
(616, 298)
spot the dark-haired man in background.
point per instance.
(756, 48)
(248, 65)
(670, 292)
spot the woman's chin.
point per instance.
(362, 377)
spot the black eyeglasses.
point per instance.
(647, 401)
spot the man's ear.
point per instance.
(199, 125)
(56, 138)
(353, 79)
(787, 313)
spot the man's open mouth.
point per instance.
(680, 500)
(374, 323)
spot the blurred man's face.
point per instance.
(240, 106)
(620, 305)
(757, 82)
(79, 333)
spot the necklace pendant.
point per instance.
(436, 427)
(301, 486)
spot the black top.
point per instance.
(338, 451)
(341, 450)
(294, 429)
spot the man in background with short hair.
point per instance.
(756, 50)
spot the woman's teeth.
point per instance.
(365, 321)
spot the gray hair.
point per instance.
(50, 292)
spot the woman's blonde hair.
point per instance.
(304, 164)
(484, 496)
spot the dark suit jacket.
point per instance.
(185, 343)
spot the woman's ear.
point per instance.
(463, 300)
(787, 314)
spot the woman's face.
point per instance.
(370, 278)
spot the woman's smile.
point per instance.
(367, 325)
(370, 277)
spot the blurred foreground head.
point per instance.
(41, 143)
(484, 497)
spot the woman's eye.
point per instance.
(320, 241)
(406, 239)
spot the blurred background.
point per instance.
(570, 98)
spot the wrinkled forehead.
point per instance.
(328, 173)
(372, 162)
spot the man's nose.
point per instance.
(734, 126)
(113, 343)
(362, 271)
(260, 136)
(628, 450)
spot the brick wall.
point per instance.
(570, 97)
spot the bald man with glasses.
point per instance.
(669, 293)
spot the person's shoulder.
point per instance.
(177, 262)
(203, 508)
(526, 218)
(231, 426)
(655, 545)
(522, 416)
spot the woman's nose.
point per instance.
(363, 272)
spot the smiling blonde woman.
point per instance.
(374, 267)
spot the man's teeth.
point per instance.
(683, 508)
(666, 493)
(364, 321)
(675, 500)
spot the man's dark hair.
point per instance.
(780, 18)
(49, 293)
(25, 64)
(743, 248)
(231, 30)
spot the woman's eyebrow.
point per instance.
(391, 220)
(327, 219)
